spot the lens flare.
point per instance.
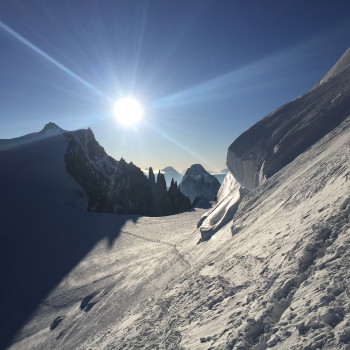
(128, 111)
(50, 59)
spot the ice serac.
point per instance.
(229, 197)
(280, 137)
(198, 183)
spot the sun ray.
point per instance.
(51, 59)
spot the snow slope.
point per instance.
(277, 276)
(281, 136)
(45, 228)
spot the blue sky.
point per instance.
(205, 71)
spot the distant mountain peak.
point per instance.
(198, 183)
(51, 128)
(169, 169)
(171, 173)
(196, 169)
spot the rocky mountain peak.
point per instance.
(51, 128)
(169, 169)
(195, 170)
(197, 183)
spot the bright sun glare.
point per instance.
(128, 111)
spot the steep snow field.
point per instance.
(276, 276)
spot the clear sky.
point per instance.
(205, 71)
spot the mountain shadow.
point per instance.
(45, 227)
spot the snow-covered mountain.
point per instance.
(272, 271)
(198, 183)
(171, 173)
(280, 137)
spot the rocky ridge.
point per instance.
(117, 186)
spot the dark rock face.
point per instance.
(166, 202)
(117, 186)
(281, 136)
(197, 183)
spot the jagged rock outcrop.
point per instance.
(51, 129)
(117, 186)
(166, 201)
(280, 137)
(111, 186)
(198, 183)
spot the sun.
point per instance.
(128, 111)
